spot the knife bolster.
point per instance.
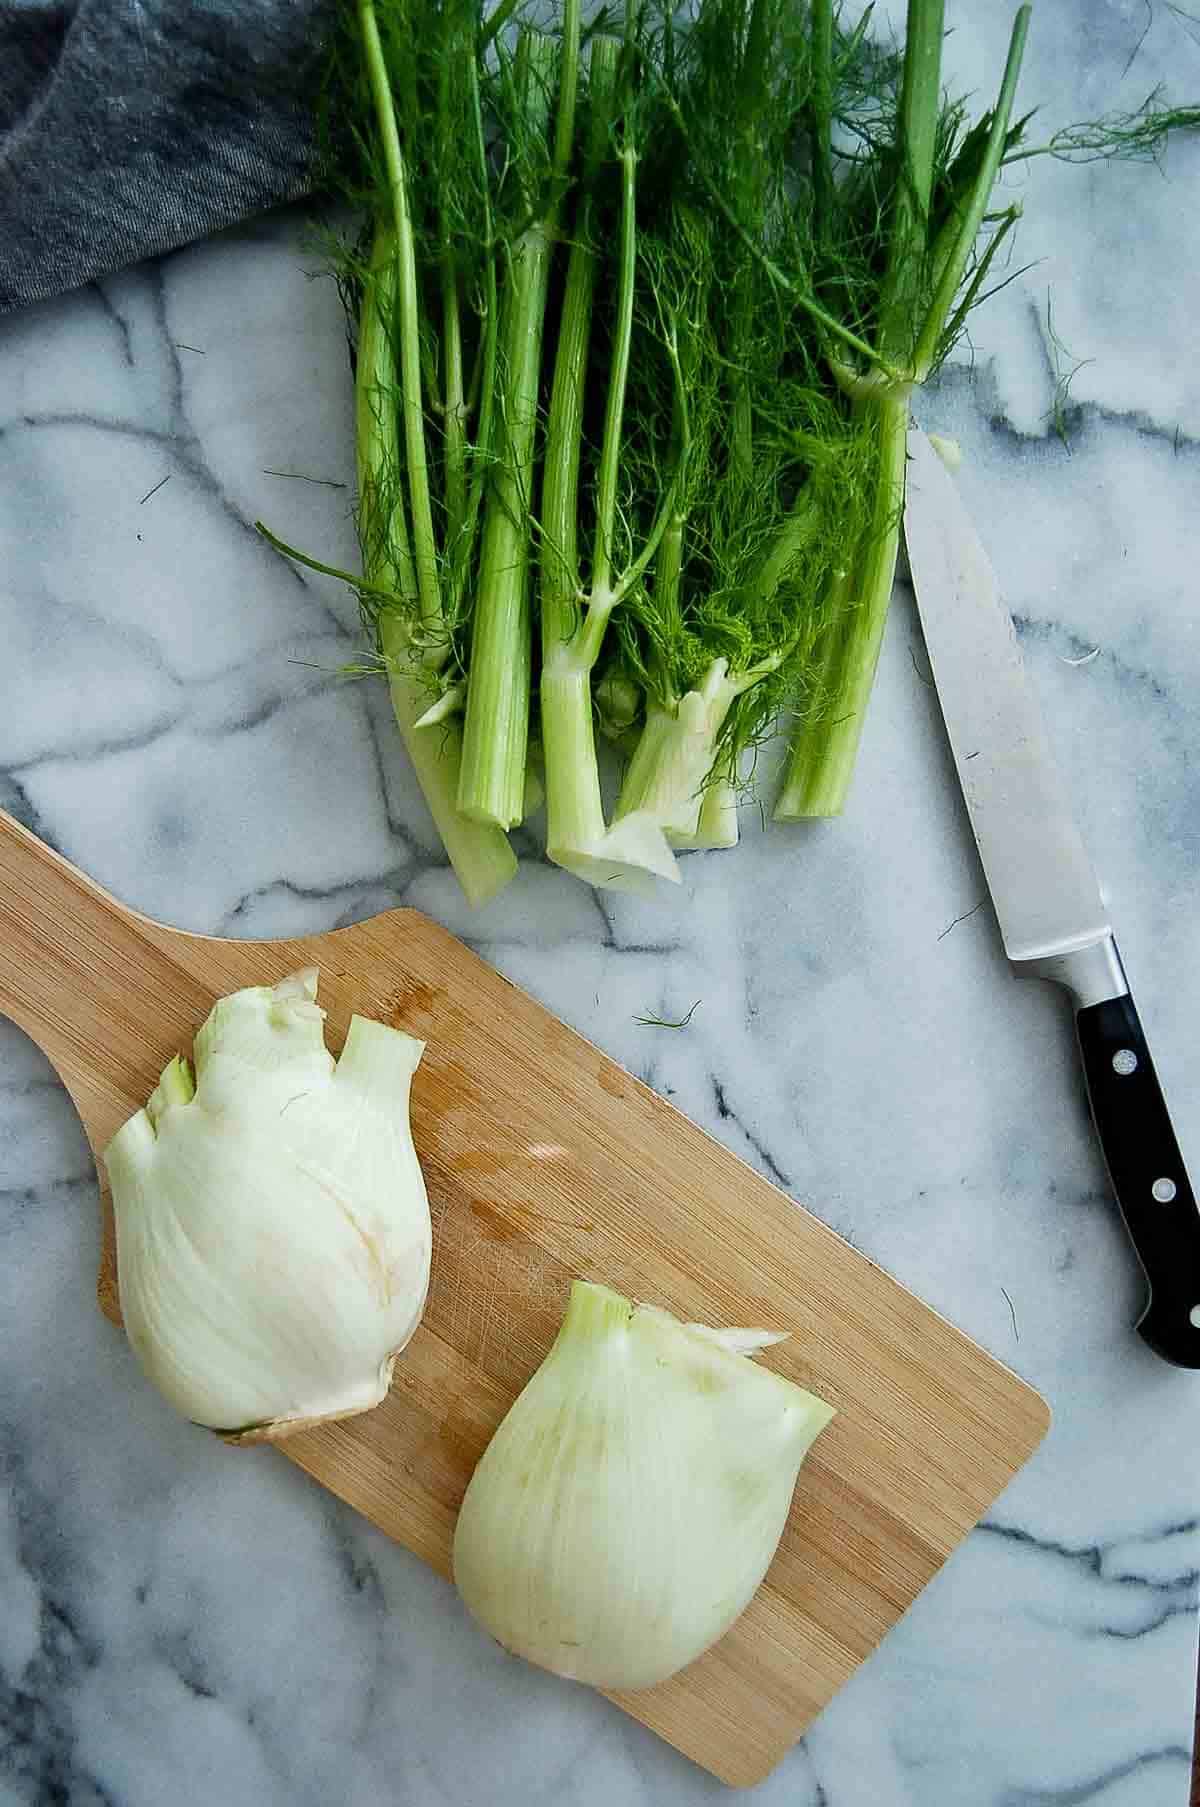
(1092, 974)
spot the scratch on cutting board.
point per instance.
(437, 1219)
(449, 1263)
(488, 1299)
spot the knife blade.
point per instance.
(1048, 903)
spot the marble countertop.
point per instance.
(182, 1621)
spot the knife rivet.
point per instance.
(1164, 1191)
(1194, 1316)
(1125, 1061)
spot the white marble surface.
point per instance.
(179, 1621)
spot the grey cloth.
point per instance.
(130, 127)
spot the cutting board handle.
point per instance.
(68, 951)
(81, 973)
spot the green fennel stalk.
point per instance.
(924, 272)
(417, 546)
(871, 251)
(574, 618)
(723, 628)
(495, 735)
(481, 856)
(638, 320)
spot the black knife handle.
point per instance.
(1147, 1173)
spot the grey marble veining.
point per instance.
(182, 1621)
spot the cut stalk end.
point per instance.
(480, 853)
(817, 783)
(824, 751)
(632, 856)
(717, 823)
(669, 773)
(634, 852)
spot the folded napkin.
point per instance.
(129, 127)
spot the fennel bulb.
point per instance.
(630, 1503)
(273, 1233)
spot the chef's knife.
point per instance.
(1052, 917)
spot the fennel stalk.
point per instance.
(926, 261)
(575, 618)
(495, 735)
(633, 388)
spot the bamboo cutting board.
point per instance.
(545, 1161)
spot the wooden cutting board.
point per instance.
(546, 1161)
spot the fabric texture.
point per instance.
(130, 127)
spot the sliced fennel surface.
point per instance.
(273, 1230)
(629, 1505)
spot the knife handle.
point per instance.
(1147, 1173)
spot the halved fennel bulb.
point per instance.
(630, 1503)
(273, 1233)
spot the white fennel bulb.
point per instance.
(630, 1503)
(273, 1233)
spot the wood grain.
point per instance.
(546, 1161)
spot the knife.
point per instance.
(1052, 917)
